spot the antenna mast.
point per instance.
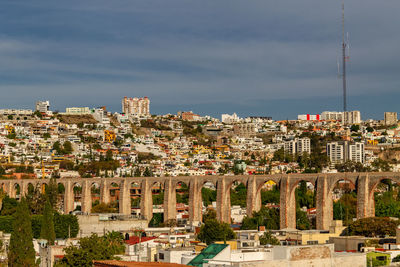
(344, 46)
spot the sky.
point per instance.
(254, 57)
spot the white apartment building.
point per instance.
(43, 106)
(339, 152)
(100, 115)
(352, 117)
(298, 146)
(332, 115)
(21, 112)
(226, 118)
(136, 106)
(77, 111)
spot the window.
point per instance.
(312, 242)
(161, 256)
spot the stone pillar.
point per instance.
(86, 198)
(24, 188)
(68, 197)
(324, 204)
(12, 192)
(223, 201)
(124, 198)
(195, 201)
(104, 192)
(169, 200)
(146, 200)
(287, 204)
(364, 209)
(252, 199)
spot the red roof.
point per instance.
(135, 239)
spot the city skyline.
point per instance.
(262, 58)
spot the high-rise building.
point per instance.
(332, 116)
(136, 106)
(298, 146)
(352, 117)
(390, 118)
(43, 106)
(339, 152)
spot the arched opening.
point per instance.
(238, 201)
(267, 208)
(95, 194)
(182, 203)
(77, 191)
(386, 199)
(344, 197)
(114, 196)
(60, 196)
(17, 191)
(30, 189)
(157, 191)
(208, 201)
(306, 211)
(135, 192)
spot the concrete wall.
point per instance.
(89, 224)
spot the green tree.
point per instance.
(268, 217)
(21, 251)
(213, 230)
(355, 128)
(109, 155)
(52, 192)
(47, 232)
(210, 214)
(302, 221)
(35, 200)
(57, 147)
(9, 206)
(208, 196)
(372, 227)
(92, 248)
(67, 147)
(147, 172)
(238, 195)
(103, 208)
(269, 239)
(270, 196)
(137, 172)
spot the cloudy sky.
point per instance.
(254, 57)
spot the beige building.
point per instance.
(390, 118)
(136, 106)
(352, 117)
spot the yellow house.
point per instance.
(313, 237)
(109, 136)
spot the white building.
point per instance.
(100, 115)
(332, 116)
(339, 152)
(77, 111)
(136, 106)
(226, 118)
(298, 146)
(18, 112)
(308, 117)
(43, 106)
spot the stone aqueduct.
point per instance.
(323, 183)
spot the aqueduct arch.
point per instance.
(323, 182)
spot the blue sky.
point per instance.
(262, 57)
